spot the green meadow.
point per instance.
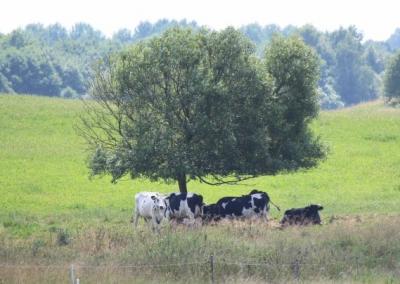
(44, 178)
(51, 212)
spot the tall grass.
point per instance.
(348, 249)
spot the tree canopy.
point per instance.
(200, 105)
(392, 80)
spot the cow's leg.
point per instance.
(317, 219)
(265, 215)
(191, 219)
(136, 214)
(154, 226)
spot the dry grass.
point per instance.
(346, 249)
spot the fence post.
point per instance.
(72, 274)
(212, 268)
(296, 269)
(357, 266)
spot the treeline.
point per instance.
(351, 69)
(54, 61)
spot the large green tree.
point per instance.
(392, 79)
(200, 105)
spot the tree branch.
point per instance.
(220, 181)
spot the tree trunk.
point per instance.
(182, 183)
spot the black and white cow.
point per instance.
(302, 216)
(184, 205)
(254, 204)
(151, 206)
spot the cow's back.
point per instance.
(185, 205)
(301, 216)
(247, 205)
(233, 206)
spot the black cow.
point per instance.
(211, 212)
(302, 216)
(256, 203)
(184, 205)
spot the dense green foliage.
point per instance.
(49, 61)
(52, 61)
(392, 79)
(190, 105)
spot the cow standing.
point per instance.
(150, 206)
(302, 216)
(184, 205)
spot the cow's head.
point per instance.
(315, 207)
(210, 211)
(255, 191)
(159, 207)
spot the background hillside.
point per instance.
(54, 61)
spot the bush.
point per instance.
(328, 98)
(69, 93)
(63, 237)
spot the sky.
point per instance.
(375, 19)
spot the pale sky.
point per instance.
(375, 19)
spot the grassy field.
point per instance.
(46, 194)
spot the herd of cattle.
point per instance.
(154, 207)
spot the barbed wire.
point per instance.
(139, 265)
(143, 265)
(252, 264)
(33, 266)
(243, 262)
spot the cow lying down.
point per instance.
(302, 216)
(254, 204)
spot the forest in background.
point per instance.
(54, 61)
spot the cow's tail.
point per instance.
(202, 208)
(276, 206)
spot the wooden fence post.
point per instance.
(72, 274)
(212, 268)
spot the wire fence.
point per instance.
(211, 268)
